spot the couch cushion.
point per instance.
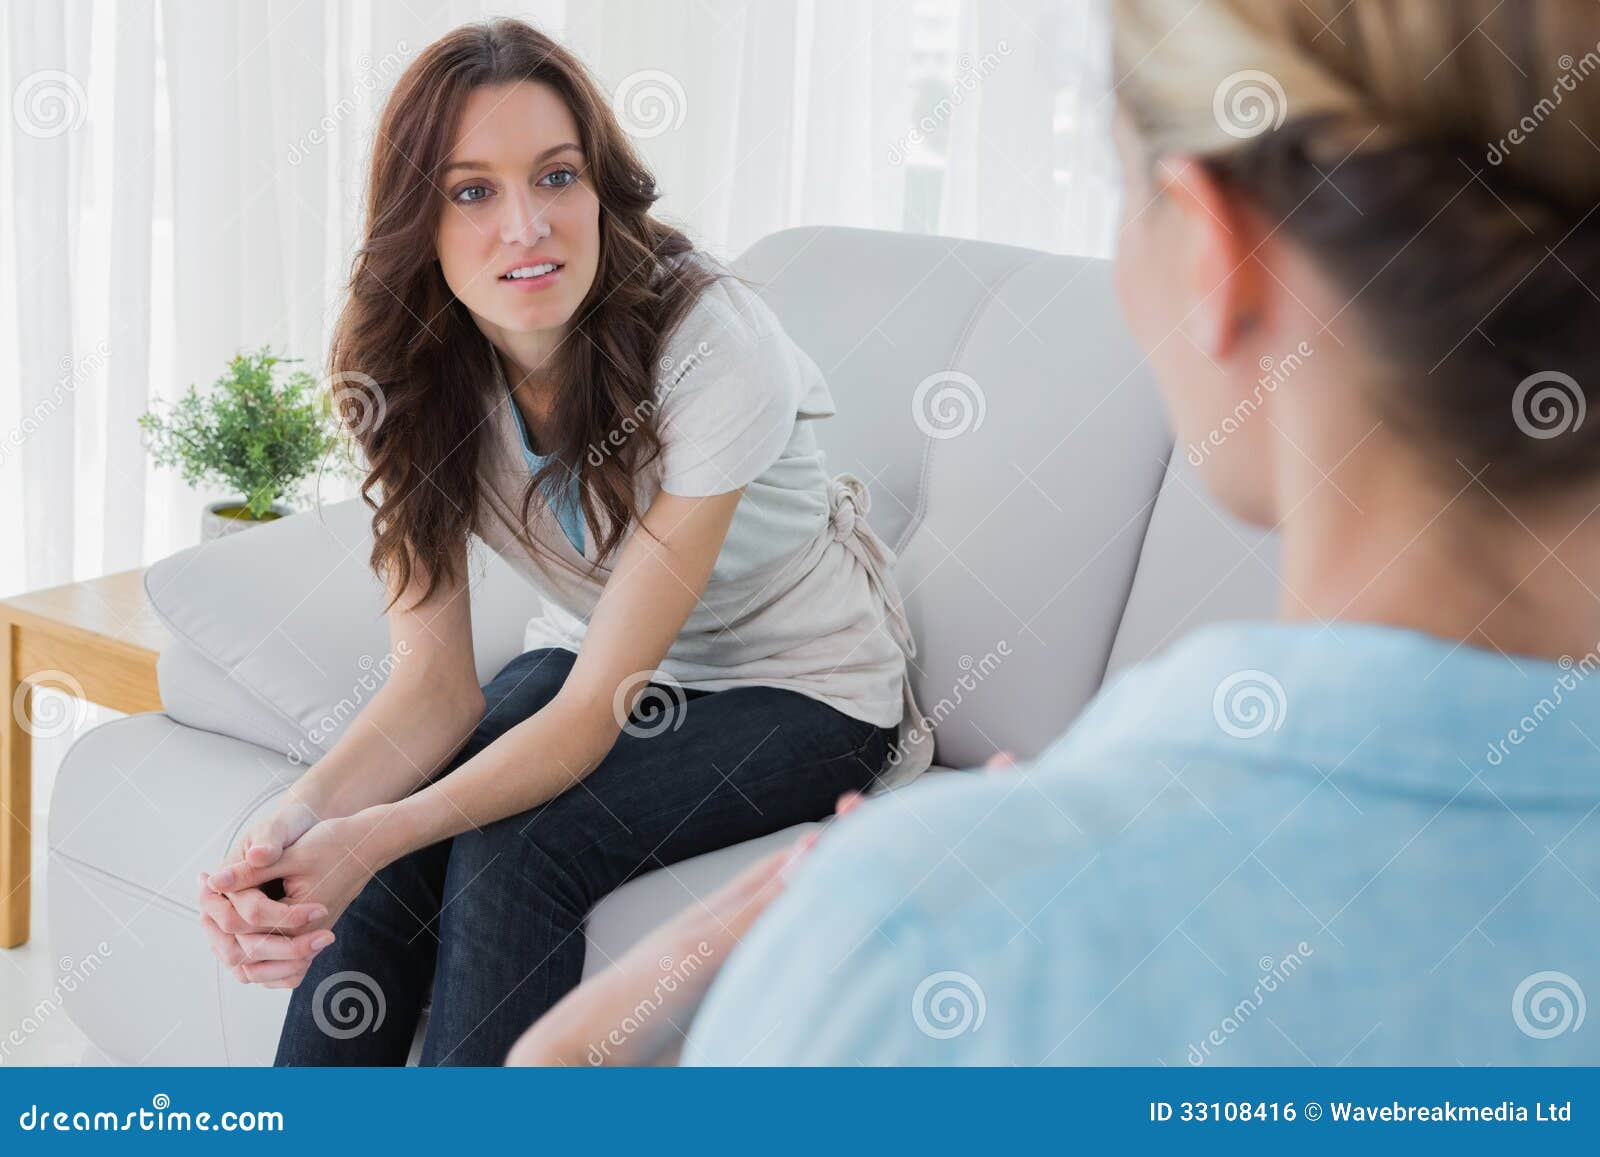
(1198, 565)
(285, 622)
(1018, 503)
(142, 804)
(151, 803)
(198, 693)
(903, 313)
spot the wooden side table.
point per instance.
(97, 641)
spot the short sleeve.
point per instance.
(728, 417)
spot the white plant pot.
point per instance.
(218, 519)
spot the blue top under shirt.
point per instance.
(564, 501)
(1279, 843)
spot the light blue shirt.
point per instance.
(1277, 844)
(564, 501)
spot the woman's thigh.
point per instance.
(714, 769)
(737, 764)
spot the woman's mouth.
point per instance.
(531, 277)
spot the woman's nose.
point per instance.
(524, 220)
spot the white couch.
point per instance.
(1058, 522)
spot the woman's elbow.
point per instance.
(590, 719)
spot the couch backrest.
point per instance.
(1018, 461)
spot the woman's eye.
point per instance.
(463, 197)
(567, 177)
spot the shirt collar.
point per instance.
(1404, 709)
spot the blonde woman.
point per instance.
(1396, 858)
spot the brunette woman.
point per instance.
(529, 356)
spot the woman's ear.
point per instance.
(1216, 257)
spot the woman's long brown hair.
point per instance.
(414, 377)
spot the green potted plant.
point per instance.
(259, 432)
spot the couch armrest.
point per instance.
(289, 618)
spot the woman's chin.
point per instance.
(532, 317)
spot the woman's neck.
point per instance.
(529, 370)
(535, 400)
(1377, 544)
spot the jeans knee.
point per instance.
(525, 858)
(522, 687)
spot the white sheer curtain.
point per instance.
(182, 180)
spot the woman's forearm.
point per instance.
(399, 741)
(530, 764)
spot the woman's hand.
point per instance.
(248, 926)
(277, 959)
(263, 842)
(321, 873)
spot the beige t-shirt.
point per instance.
(802, 594)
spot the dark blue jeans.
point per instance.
(490, 923)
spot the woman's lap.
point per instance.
(502, 906)
(729, 760)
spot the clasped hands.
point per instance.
(270, 908)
